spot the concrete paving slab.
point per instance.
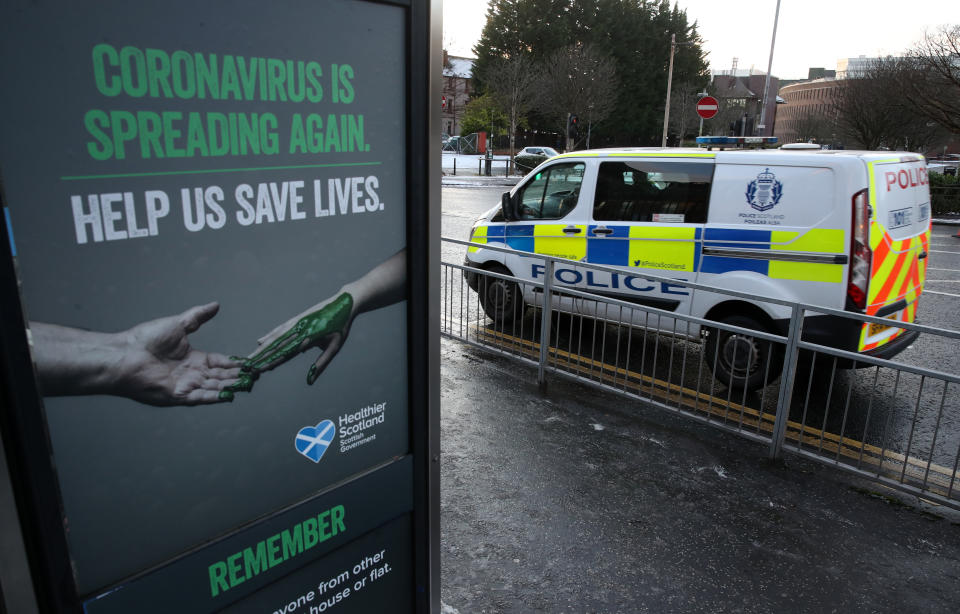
(579, 500)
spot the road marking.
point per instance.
(930, 268)
(941, 293)
(941, 251)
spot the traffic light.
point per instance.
(572, 126)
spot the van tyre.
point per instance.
(501, 300)
(739, 360)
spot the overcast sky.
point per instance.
(809, 32)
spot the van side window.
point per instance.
(552, 193)
(648, 191)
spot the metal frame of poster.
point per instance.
(285, 558)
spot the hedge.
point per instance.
(944, 194)
(526, 162)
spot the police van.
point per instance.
(841, 229)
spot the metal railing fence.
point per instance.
(892, 421)
(945, 200)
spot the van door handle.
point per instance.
(922, 256)
(572, 230)
(602, 230)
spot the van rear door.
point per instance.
(899, 197)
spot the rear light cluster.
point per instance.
(861, 255)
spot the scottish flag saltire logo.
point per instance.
(313, 441)
(764, 192)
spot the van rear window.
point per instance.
(648, 191)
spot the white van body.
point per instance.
(841, 229)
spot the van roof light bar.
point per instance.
(734, 141)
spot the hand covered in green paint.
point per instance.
(324, 326)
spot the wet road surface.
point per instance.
(579, 500)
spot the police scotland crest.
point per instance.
(764, 192)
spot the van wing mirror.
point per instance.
(507, 207)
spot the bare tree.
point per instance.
(868, 111)
(683, 109)
(813, 127)
(578, 79)
(874, 112)
(930, 77)
(513, 82)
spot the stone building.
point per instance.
(457, 88)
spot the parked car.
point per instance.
(530, 157)
(453, 143)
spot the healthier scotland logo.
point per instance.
(764, 192)
(313, 441)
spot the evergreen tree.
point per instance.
(533, 28)
(482, 114)
(634, 33)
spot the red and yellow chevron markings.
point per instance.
(898, 274)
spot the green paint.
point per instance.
(244, 383)
(306, 332)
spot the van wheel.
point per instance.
(501, 300)
(739, 360)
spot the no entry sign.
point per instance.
(707, 107)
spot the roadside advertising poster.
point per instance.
(206, 206)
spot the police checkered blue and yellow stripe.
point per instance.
(677, 248)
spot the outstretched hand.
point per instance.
(162, 368)
(324, 326)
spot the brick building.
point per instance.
(742, 96)
(809, 112)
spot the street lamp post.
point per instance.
(766, 85)
(666, 110)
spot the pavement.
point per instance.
(479, 181)
(579, 500)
